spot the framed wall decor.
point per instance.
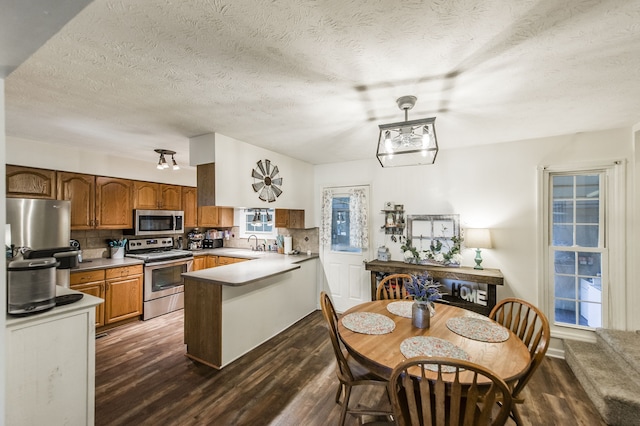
(425, 230)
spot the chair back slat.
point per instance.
(446, 400)
(392, 287)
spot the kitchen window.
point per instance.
(264, 228)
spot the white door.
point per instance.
(346, 248)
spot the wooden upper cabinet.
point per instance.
(80, 189)
(296, 219)
(208, 216)
(213, 216)
(171, 197)
(146, 195)
(289, 218)
(190, 206)
(225, 217)
(282, 218)
(28, 182)
(153, 196)
(114, 203)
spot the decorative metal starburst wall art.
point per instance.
(266, 181)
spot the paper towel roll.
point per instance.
(288, 245)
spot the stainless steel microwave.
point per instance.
(158, 222)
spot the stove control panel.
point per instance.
(150, 244)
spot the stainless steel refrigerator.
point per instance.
(41, 228)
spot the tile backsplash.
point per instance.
(303, 239)
(95, 243)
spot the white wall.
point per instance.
(234, 162)
(3, 266)
(57, 157)
(492, 186)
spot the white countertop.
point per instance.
(87, 301)
(263, 265)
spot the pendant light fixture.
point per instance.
(162, 161)
(407, 143)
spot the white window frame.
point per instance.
(240, 219)
(614, 244)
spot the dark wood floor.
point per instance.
(143, 378)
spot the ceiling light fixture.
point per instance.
(407, 143)
(162, 161)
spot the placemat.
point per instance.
(478, 329)
(368, 323)
(402, 309)
(432, 346)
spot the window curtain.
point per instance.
(327, 210)
(358, 217)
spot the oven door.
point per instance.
(165, 278)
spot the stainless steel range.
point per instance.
(163, 269)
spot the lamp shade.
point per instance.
(477, 238)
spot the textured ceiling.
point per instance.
(313, 79)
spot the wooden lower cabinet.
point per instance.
(123, 295)
(224, 260)
(199, 263)
(210, 261)
(121, 289)
(91, 282)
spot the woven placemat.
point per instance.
(402, 309)
(368, 323)
(432, 346)
(478, 329)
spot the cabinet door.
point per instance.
(114, 205)
(225, 217)
(27, 182)
(146, 195)
(199, 263)
(80, 189)
(296, 219)
(171, 197)
(211, 261)
(190, 206)
(282, 218)
(123, 299)
(94, 289)
(207, 216)
(224, 260)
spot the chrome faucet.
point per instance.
(249, 239)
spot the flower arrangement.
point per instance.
(423, 288)
(447, 253)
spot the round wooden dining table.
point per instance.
(381, 352)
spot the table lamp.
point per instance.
(477, 238)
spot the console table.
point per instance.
(468, 288)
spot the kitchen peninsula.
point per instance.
(231, 309)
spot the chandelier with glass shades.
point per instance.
(407, 143)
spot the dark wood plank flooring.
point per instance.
(143, 378)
